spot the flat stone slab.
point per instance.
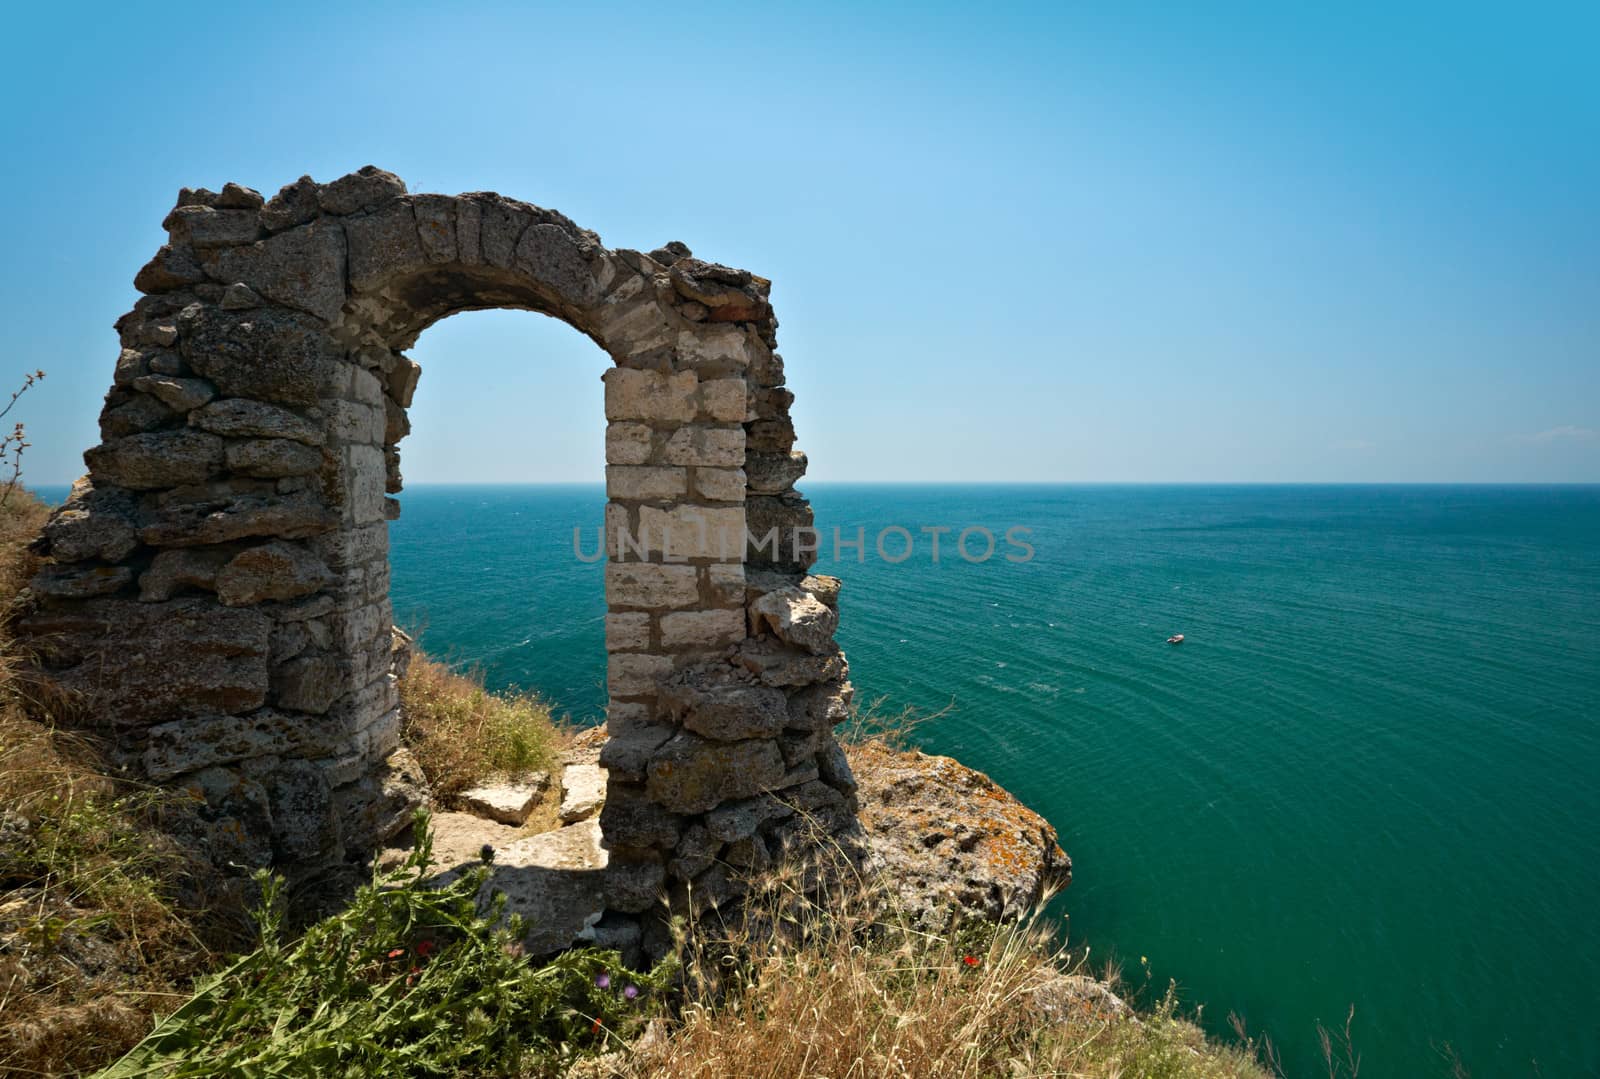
(555, 881)
(507, 803)
(583, 792)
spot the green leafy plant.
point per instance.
(413, 979)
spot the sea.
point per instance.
(1367, 778)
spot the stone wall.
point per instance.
(218, 595)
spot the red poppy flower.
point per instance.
(595, 1028)
(424, 948)
(970, 960)
(397, 953)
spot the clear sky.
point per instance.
(1076, 242)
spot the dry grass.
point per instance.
(91, 943)
(462, 734)
(844, 987)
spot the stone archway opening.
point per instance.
(218, 598)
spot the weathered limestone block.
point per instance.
(436, 226)
(272, 458)
(687, 531)
(776, 664)
(725, 583)
(820, 707)
(714, 349)
(367, 187)
(720, 484)
(642, 483)
(132, 414)
(630, 746)
(651, 395)
(156, 460)
(691, 774)
(272, 571)
(640, 584)
(303, 826)
(501, 224)
(189, 524)
(633, 887)
(627, 632)
(136, 664)
(583, 790)
(822, 586)
(204, 226)
(695, 852)
(631, 820)
(834, 768)
(549, 254)
(723, 400)
(508, 802)
(732, 821)
(239, 418)
(701, 629)
(774, 473)
(702, 446)
(178, 394)
(628, 443)
(294, 204)
(187, 745)
(174, 266)
(81, 582)
(797, 617)
(630, 674)
(770, 434)
(380, 805)
(382, 244)
(236, 815)
(711, 700)
(303, 268)
(239, 296)
(780, 531)
(188, 567)
(95, 522)
(309, 684)
(268, 354)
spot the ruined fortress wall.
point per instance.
(218, 594)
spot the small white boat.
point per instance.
(1176, 638)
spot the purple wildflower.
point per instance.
(630, 992)
(602, 980)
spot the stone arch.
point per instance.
(218, 601)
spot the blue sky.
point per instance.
(1035, 243)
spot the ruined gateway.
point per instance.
(218, 601)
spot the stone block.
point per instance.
(702, 629)
(720, 484)
(628, 443)
(383, 245)
(650, 395)
(640, 584)
(799, 618)
(508, 803)
(269, 354)
(644, 482)
(188, 567)
(627, 632)
(178, 394)
(723, 400)
(631, 821)
(158, 459)
(630, 674)
(688, 531)
(705, 447)
(272, 571)
(691, 774)
(240, 418)
(774, 473)
(583, 791)
(272, 458)
(303, 268)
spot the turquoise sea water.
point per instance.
(1368, 777)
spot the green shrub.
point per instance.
(410, 980)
